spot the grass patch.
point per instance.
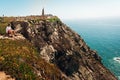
(4, 24)
(53, 19)
(22, 61)
(2, 28)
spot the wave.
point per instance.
(118, 77)
(117, 59)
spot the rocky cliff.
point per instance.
(59, 45)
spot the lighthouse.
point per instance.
(43, 12)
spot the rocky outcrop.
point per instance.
(15, 37)
(59, 45)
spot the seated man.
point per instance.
(10, 31)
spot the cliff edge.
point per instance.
(47, 49)
(58, 44)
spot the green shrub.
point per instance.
(18, 59)
(4, 23)
(53, 19)
(13, 55)
(1, 19)
(2, 28)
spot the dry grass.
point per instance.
(21, 60)
(4, 23)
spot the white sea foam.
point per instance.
(117, 59)
(118, 77)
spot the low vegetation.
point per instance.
(53, 19)
(21, 60)
(2, 28)
(3, 23)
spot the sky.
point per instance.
(65, 9)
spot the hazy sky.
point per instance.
(65, 9)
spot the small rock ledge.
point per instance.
(17, 37)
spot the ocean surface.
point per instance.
(102, 36)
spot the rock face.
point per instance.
(59, 45)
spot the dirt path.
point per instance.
(3, 76)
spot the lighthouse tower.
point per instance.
(43, 14)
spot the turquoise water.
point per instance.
(102, 37)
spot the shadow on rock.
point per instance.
(68, 64)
